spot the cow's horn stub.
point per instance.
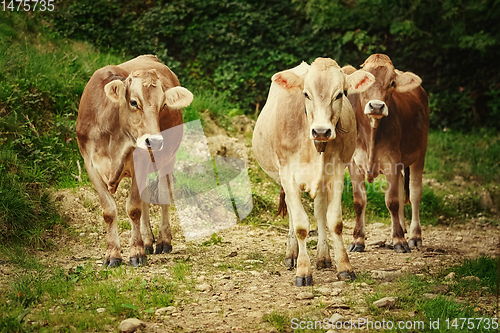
(320, 146)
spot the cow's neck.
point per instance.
(370, 145)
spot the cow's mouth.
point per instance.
(320, 146)
(376, 116)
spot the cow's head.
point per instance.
(323, 85)
(376, 99)
(142, 97)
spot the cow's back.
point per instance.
(277, 132)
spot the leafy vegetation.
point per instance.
(234, 47)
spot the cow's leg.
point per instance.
(164, 241)
(134, 210)
(335, 226)
(113, 256)
(416, 170)
(323, 259)
(292, 247)
(359, 202)
(293, 200)
(402, 197)
(146, 231)
(392, 203)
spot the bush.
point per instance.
(235, 47)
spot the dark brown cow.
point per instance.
(393, 122)
(124, 107)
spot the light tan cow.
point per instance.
(303, 138)
(393, 125)
(124, 107)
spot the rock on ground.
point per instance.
(386, 302)
(130, 325)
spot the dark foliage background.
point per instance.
(236, 46)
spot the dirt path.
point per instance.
(242, 279)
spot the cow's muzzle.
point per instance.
(154, 142)
(376, 109)
(150, 142)
(321, 134)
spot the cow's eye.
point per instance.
(306, 96)
(134, 104)
(339, 96)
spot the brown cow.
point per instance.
(124, 107)
(393, 123)
(307, 151)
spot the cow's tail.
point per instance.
(282, 209)
(407, 185)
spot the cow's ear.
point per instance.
(115, 90)
(359, 81)
(407, 81)
(348, 69)
(178, 97)
(289, 81)
(292, 80)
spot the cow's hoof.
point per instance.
(324, 263)
(113, 262)
(148, 249)
(163, 248)
(400, 248)
(356, 247)
(346, 276)
(302, 281)
(138, 261)
(290, 263)
(414, 243)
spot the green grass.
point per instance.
(42, 79)
(64, 298)
(474, 156)
(465, 299)
(280, 321)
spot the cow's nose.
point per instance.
(376, 107)
(321, 133)
(154, 142)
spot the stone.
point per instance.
(440, 289)
(336, 317)
(339, 284)
(378, 225)
(323, 290)
(336, 291)
(386, 275)
(203, 287)
(386, 302)
(430, 296)
(101, 310)
(486, 201)
(450, 276)
(130, 325)
(471, 278)
(459, 239)
(304, 295)
(165, 310)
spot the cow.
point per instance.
(124, 108)
(303, 137)
(392, 119)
